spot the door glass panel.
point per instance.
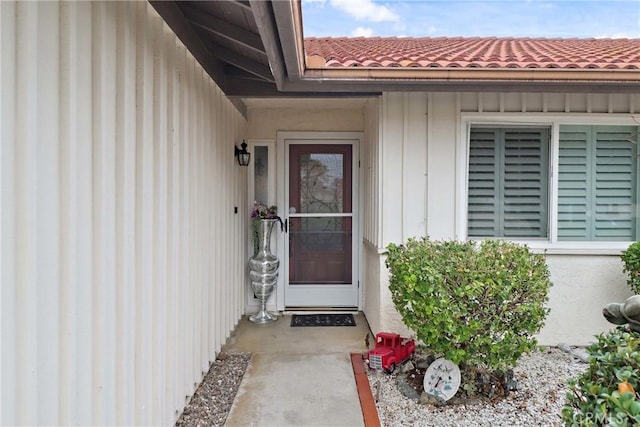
(261, 174)
(320, 206)
(321, 183)
(320, 250)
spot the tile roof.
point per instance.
(473, 52)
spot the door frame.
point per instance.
(283, 175)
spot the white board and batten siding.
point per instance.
(122, 258)
(423, 191)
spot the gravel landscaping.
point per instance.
(541, 380)
(212, 401)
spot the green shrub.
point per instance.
(474, 303)
(594, 398)
(631, 260)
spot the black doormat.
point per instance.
(323, 320)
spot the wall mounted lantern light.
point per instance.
(242, 154)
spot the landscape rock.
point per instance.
(541, 378)
(405, 388)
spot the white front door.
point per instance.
(320, 210)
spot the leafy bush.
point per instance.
(597, 397)
(474, 303)
(631, 260)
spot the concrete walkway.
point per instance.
(299, 376)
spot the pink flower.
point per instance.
(262, 211)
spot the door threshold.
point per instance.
(294, 310)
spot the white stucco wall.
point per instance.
(371, 275)
(122, 259)
(266, 117)
(583, 284)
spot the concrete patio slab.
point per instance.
(298, 376)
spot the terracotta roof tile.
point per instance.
(476, 52)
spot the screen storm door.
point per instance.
(321, 223)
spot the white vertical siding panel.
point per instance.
(208, 220)
(104, 160)
(144, 216)
(47, 211)
(577, 103)
(372, 144)
(470, 102)
(194, 238)
(392, 155)
(216, 286)
(221, 308)
(25, 243)
(204, 210)
(120, 283)
(125, 213)
(171, 229)
(213, 283)
(68, 210)
(186, 309)
(201, 207)
(599, 103)
(180, 224)
(415, 166)
(225, 166)
(8, 323)
(227, 202)
(555, 102)
(218, 305)
(193, 329)
(535, 102)
(83, 221)
(170, 384)
(238, 176)
(160, 84)
(491, 102)
(224, 142)
(223, 138)
(195, 252)
(441, 154)
(512, 102)
(228, 169)
(619, 103)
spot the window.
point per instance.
(508, 182)
(597, 184)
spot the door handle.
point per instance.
(286, 225)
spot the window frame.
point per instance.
(553, 121)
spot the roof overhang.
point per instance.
(255, 48)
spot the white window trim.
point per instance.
(553, 121)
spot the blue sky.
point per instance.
(500, 18)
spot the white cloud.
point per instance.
(366, 10)
(314, 1)
(618, 36)
(362, 32)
